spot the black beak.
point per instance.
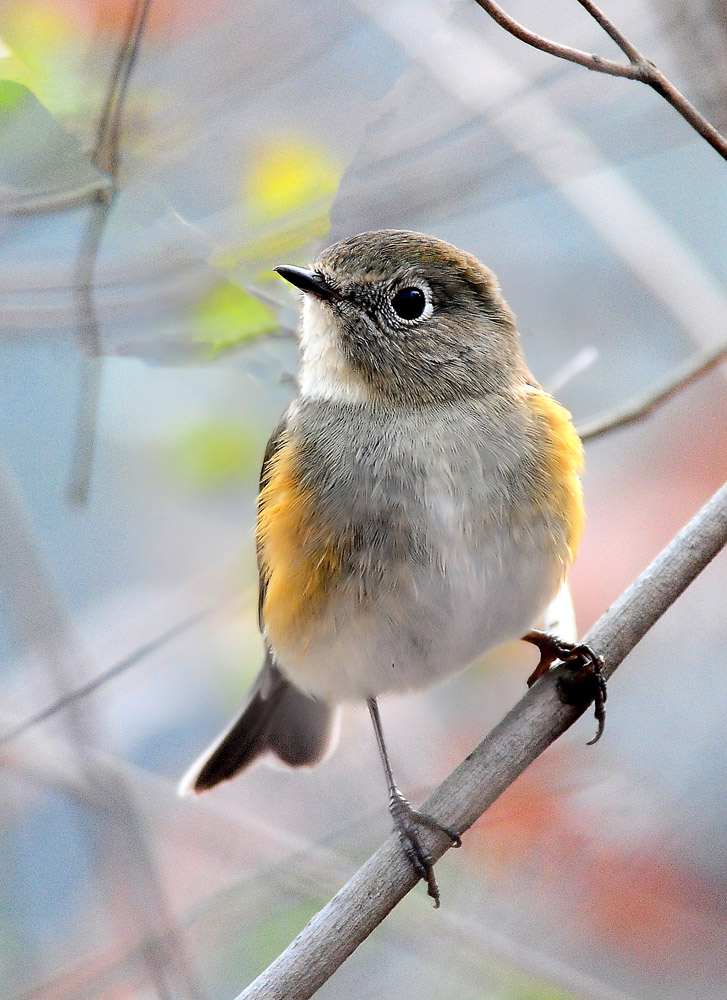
(307, 281)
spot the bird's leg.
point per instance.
(407, 820)
(587, 671)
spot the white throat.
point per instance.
(324, 372)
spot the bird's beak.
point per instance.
(307, 281)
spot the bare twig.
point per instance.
(643, 405)
(532, 725)
(60, 200)
(590, 61)
(105, 156)
(118, 668)
(630, 51)
(106, 152)
(123, 857)
(638, 68)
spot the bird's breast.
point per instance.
(395, 553)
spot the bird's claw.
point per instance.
(585, 681)
(407, 822)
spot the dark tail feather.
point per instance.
(279, 719)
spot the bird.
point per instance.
(420, 504)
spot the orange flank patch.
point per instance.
(560, 490)
(299, 559)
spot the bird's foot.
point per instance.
(584, 683)
(407, 822)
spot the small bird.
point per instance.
(420, 504)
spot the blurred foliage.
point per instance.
(217, 454)
(287, 192)
(39, 48)
(538, 991)
(251, 947)
(288, 173)
(228, 316)
(166, 20)
(38, 158)
(11, 96)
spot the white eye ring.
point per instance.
(412, 303)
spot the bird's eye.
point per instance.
(409, 303)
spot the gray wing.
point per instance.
(277, 717)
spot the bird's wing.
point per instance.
(273, 445)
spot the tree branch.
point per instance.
(643, 405)
(532, 725)
(106, 151)
(587, 59)
(638, 68)
(630, 51)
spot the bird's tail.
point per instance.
(278, 719)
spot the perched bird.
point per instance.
(419, 505)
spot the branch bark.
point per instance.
(638, 67)
(532, 725)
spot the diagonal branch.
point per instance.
(111, 673)
(638, 68)
(615, 34)
(531, 726)
(644, 405)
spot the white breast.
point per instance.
(426, 623)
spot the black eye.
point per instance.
(409, 303)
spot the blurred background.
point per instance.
(146, 351)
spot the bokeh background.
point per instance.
(138, 385)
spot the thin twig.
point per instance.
(643, 405)
(122, 856)
(580, 362)
(59, 201)
(630, 51)
(638, 68)
(587, 59)
(105, 156)
(118, 668)
(113, 84)
(90, 383)
(532, 725)
(106, 152)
